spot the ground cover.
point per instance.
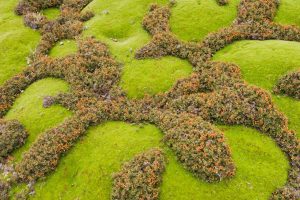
(262, 64)
(223, 190)
(17, 41)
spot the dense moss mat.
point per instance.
(51, 13)
(262, 63)
(288, 12)
(64, 48)
(16, 41)
(193, 20)
(139, 79)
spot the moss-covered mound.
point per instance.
(214, 93)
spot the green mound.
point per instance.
(51, 13)
(16, 41)
(193, 20)
(288, 12)
(64, 48)
(153, 76)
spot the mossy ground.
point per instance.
(85, 172)
(51, 13)
(193, 20)
(288, 12)
(16, 41)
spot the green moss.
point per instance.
(51, 13)
(64, 48)
(262, 63)
(16, 41)
(288, 12)
(153, 76)
(193, 20)
(118, 19)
